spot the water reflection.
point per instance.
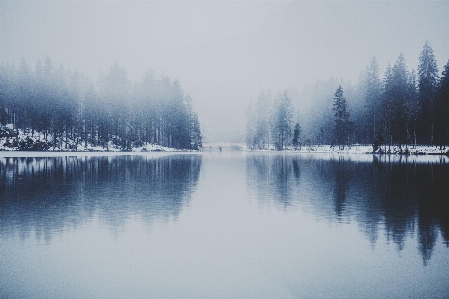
(49, 194)
(400, 198)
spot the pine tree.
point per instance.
(196, 136)
(296, 136)
(395, 105)
(442, 108)
(412, 108)
(251, 121)
(342, 125)
(69, 110)
(373, 94)
(281, 120)
(400, 97)
(262, 130)
(427, 87)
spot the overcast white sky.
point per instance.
(224, 53)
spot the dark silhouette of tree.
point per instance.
(427, 86)
(296, 142)
(398, 103)
(412, 109)
(442, 108)
(342, 125)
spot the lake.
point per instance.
(223, 225)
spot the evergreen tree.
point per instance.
(296, 142)
(281, 120)
(196, 136)
(373, 93)
(400, 98)
(70, 110)
(427, 87)
(442, 108)
(412, 108)
(395, 104)
(251, 121)
(262, 130)
(342, 125)
(387, 105)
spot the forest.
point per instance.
(405, 108)
(57, 109)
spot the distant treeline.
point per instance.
(68, 109)
(403, 108)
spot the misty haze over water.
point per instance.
(96, 91)
(224, 53)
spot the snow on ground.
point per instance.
(359, 153)
(368, 149)
(19, 140)
(11, 141)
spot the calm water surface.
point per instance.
(224, 225)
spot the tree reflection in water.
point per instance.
(49, 194)
(401, 197)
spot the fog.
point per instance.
(224, 53)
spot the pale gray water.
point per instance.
(224, 225)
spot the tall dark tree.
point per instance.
(412, 108)
(296, 142)
(427, 87)
(395, 103)
(342, 125)
(442, 108)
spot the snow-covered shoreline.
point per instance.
(326, 149)
(320, 153)
(18, 141)
(368, 149)
(7, 150)
(41, 154)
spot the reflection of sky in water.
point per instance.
(246, 226)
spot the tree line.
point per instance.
(403, 108)
(67, 109)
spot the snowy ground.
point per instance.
(354, 149)
(368, 149)
(10, 144)
(12, 140)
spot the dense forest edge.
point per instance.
(403, 113)
(48, 108)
